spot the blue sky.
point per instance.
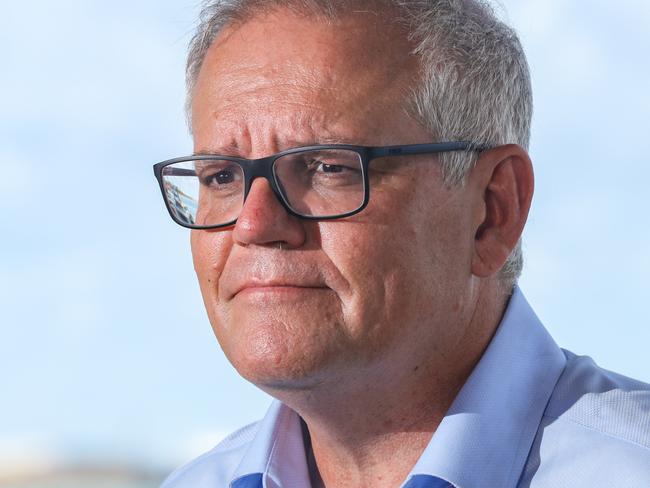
(106, 351)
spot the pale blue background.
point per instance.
(105, 350)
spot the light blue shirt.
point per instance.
(529, 415)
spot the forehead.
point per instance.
(303, 72)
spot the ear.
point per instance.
(503, 182)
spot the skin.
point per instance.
(366, 326)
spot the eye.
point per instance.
(332, 165)
(219, 175)
(328, 167)
(222, 177)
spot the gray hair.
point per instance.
(475, 82)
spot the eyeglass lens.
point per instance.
(317, 183)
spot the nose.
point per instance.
(264, 220)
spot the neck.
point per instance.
(369, 427)
(372, 440)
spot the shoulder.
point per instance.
(601, 400)
(595, 430)
(215, 467)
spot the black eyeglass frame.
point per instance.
(263, 168)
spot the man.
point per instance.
(358, 190)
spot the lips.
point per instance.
(271, 273)
(233, 287)
(274, 286)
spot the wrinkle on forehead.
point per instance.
(289, 78)
(238, 138)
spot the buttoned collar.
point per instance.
(483, 440)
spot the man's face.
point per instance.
(296, 303)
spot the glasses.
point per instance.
(320, 182)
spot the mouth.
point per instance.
(276, 288)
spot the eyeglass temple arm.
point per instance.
(438, 147)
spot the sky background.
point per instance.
(106, 353)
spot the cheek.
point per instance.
(378, 267)
(403, 265)
(209, 254)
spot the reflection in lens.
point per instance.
(321, 183)
(204, 192)
(180, 185)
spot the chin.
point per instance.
(288, 374)
(275, 356)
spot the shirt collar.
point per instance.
(276, 454)
(484, 438)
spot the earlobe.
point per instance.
(504, 185)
